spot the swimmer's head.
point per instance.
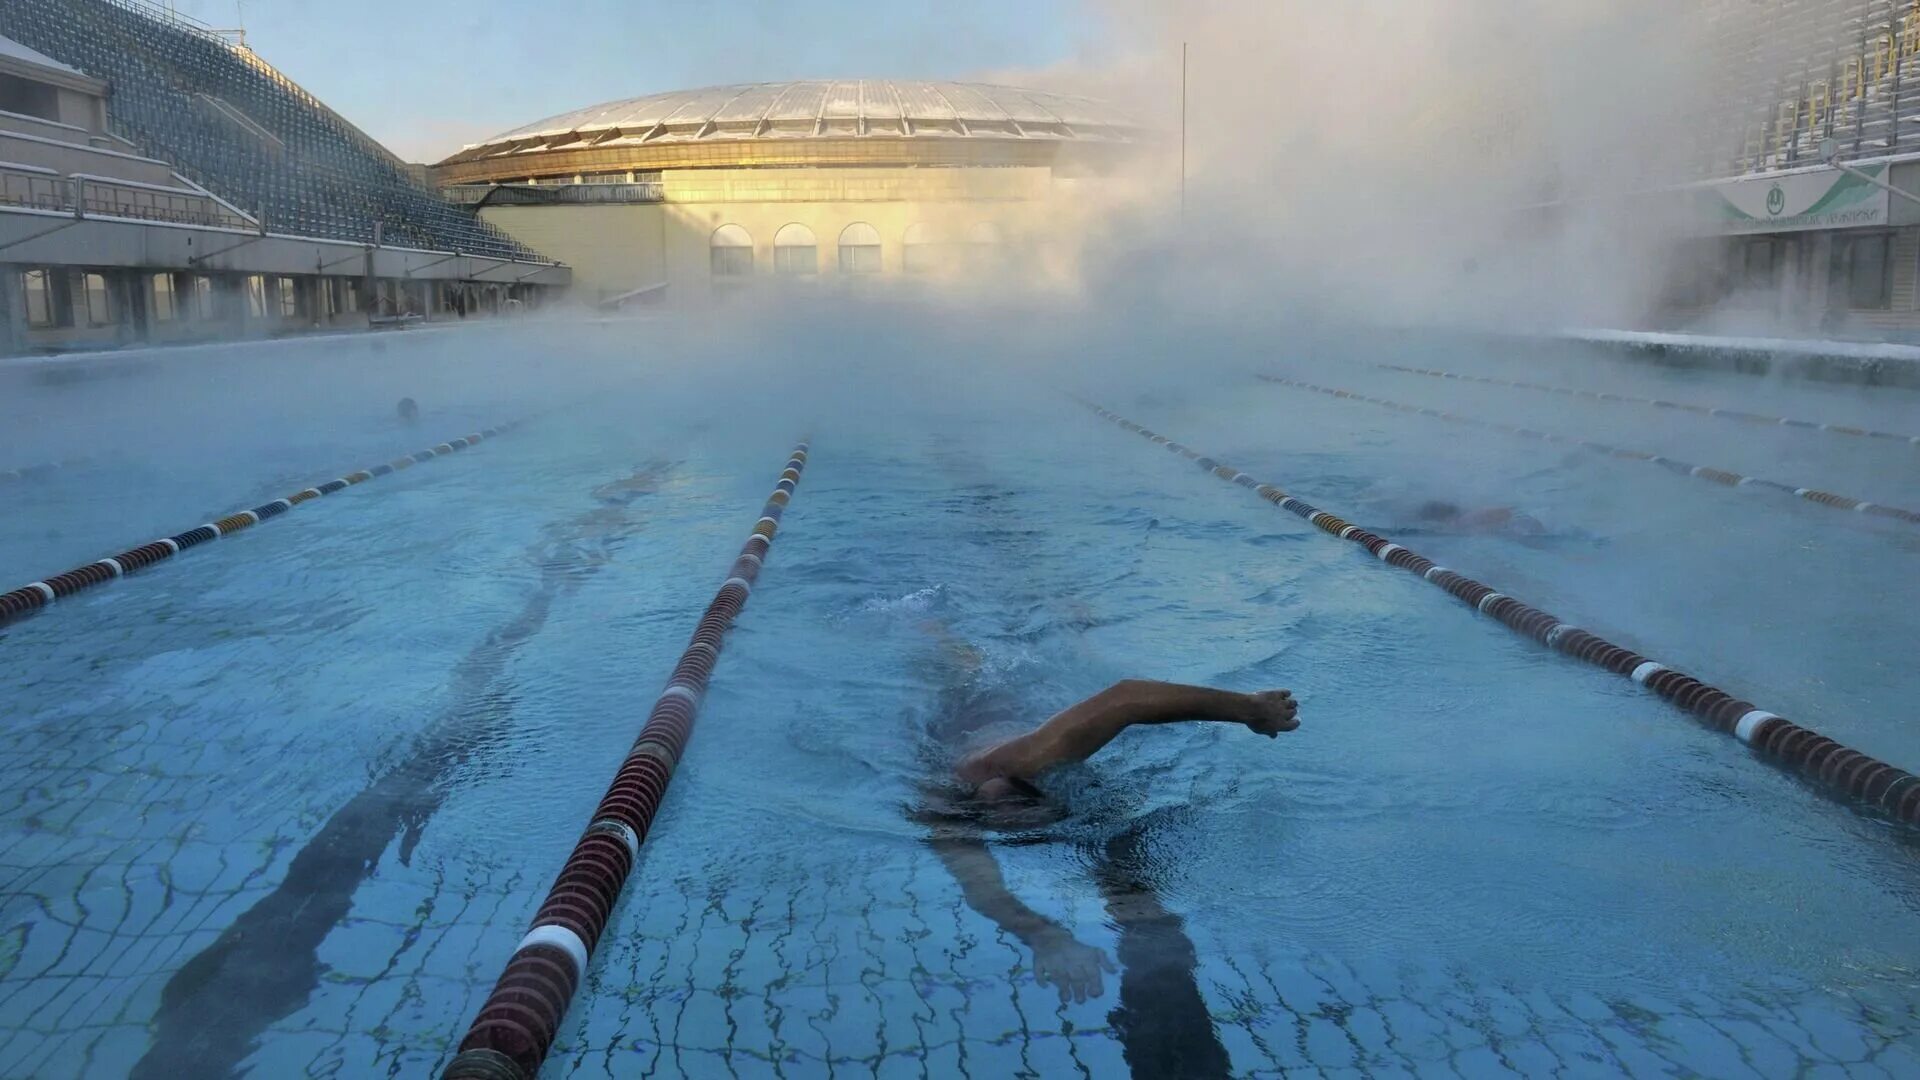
(1436, 510)
(409, 410)
(1011, 804)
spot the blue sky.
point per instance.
(425, 76)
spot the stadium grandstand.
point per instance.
(119, 113)
(1805, 166)
(690, 195)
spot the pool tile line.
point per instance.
(1704, 410)
(36, 595)
(1703, 472)
(517, 1024)
(1840, 770)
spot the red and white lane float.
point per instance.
(1840, 770)
(517, 1024)
(33, 596)
(1703, 410)
(1703, 472)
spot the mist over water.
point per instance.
(1463, 819)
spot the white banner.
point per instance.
(1828, 199)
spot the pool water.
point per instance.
(284, 805)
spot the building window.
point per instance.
(99, 301)
(1861, 271)
(289, 298)
(732, 252)
(166, 306)
(49, 304)
(257, 296)
(202, 294)
(1760, 264)
(29, 97)
(795, 251)
(983, 243)
(920, 255)
(860, 249)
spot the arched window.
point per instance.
(732, 251)
(794, 250)
(921, 251)
(860, 249)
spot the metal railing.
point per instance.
(97, 197)
(477, 195)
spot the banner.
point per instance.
(1827, 199)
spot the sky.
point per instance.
(428, 76)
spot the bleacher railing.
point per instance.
(642, 191)
(94, 196)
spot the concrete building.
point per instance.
(1789, 240)
(697, 194)
(160, 183)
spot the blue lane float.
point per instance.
(516, 1026)
(1723, 477)
(1661, 403)
(1840, 770)
(36, 595)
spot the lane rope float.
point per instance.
(1704, 410)
(516, 1026)
(1839, 769)
(35, 595)
(1723, 477)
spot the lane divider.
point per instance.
(1719, 476)
(27, 472)
(516, 1026)
(35, 595)
(1704, 410)
(1840, 770)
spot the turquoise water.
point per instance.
(283, 805)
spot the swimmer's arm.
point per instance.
(1081, 731)
(985, 890)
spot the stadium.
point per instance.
(689, 194)
(1790, 241)
(160, 182)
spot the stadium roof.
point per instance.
(820, 108)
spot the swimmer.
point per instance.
(1488, 519)
(409, 410)
(998, 789)
(1009, 770)
(644, 481)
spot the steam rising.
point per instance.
(1465, 162)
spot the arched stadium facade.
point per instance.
(701, 194)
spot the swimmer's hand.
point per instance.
(1068, 966)
(1272, 712)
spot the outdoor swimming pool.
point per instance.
(286, 803)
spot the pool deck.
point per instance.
(1808, 358)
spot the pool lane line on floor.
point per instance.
(266, 965)
(35, 595)
(516, 1026)
(1704, 410)
(1719, 476)
(1841, 770)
